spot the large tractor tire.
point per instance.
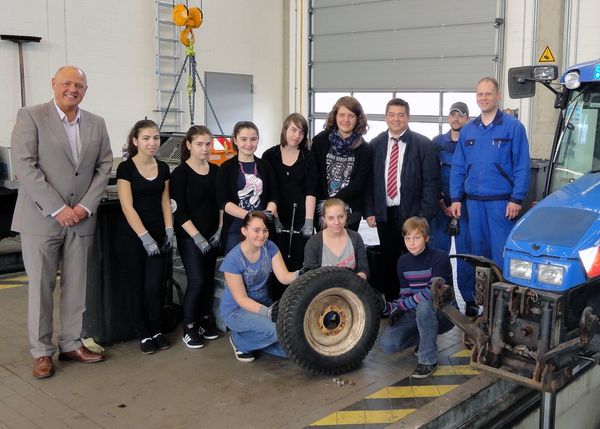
(328, 320)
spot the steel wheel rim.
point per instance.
(334, 321)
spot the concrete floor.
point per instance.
(179, 387)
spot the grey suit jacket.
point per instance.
(48, 175)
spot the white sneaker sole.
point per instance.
(235, 352)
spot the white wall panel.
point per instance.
(113, 41)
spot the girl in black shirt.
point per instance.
(245, 183)
(198, 223)
(146, 232)
(295, 169)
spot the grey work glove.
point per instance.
(268, 214)
(201, 243)
(308, 229)
(215, 240)
(270, 312)
(168, 245)
(149, 244)
(278, 226)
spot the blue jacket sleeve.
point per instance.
(458, 172)
(521, 163)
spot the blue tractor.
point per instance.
(540, 312)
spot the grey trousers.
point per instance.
(43, 256)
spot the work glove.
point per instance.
(201, 243)
(308, 228)
(278, 226)
(268, 214)
(305, 269)
(453, 227)
(215, 240)
(393, 312)
(168, 245)
(149, 244)
(270, 312)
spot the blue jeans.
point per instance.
(465, 272)
(200, 273)
(420, 327)
(251, 331)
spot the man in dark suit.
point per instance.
(405, 183)
(62, 158)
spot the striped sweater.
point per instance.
(415, 273)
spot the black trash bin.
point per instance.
(106, 317)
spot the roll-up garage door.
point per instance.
(429, 52)
(403, 44)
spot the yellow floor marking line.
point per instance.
(463, 353)
(392, 396)
(363, 417)
(412, 391)
(5, 286)
(454, 370)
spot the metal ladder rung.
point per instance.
(166, 21)
(165, 4)
(164, 109)
(168, 91)
(168, 74)
(168, 39)
(168, 57)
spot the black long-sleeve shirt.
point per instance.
(294, 183)
(196, 199)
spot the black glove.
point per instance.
(305, 269)
(453, 227)
(274, 311)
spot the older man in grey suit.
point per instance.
(62, 157)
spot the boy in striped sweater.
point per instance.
(413, 320)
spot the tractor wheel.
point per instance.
(328, 320)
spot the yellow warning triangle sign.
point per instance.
(547, 56)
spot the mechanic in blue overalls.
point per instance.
(490, 171)
(444, 226)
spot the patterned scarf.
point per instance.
(343, 147)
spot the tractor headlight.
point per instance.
(550, 274)
(572, 80)
(520, 269)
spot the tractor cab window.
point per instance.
(579, 145)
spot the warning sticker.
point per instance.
(547, 56)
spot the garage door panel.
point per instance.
(404, 14)
(421, 43)
(456, 74)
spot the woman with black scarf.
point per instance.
(343, 157)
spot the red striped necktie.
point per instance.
(392, 182)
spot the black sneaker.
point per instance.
(208, 329)
(471, 309)
(192, 338)
(161, 342)
(241, 356)
(147, 346)
(424, 371)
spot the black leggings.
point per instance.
(145, 285)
